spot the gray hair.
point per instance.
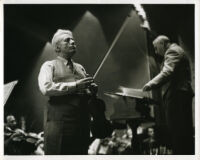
(162, 38)
(58, 36)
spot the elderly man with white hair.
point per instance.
(177, 93)
(66, 83)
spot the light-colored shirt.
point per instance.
(57, 78)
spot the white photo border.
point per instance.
(128, 157)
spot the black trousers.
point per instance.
(178, 112)
(74, 146)
(66, 129)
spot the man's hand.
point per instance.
(84, 83)
(146, 87)
(93, 88)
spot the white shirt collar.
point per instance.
(65, 61)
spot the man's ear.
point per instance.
(165, 45)
(57, 48)
(162, 43)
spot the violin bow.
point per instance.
(112, 45)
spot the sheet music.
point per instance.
(8, 89)
(138, 93)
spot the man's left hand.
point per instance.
(93, 88)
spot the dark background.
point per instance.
(28, 30)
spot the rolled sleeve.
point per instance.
(48, 87)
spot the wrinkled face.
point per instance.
(159, 48)
(67, 46)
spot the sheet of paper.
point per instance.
(8, 89)
(137, 93)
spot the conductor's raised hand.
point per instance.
(84, 83)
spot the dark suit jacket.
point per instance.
(175, 74)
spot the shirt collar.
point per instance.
(65, 61)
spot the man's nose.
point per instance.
(72, 42)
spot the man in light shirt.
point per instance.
(66, 83)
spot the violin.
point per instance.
(21, 135)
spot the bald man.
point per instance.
(66, 84)
(177, 93)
